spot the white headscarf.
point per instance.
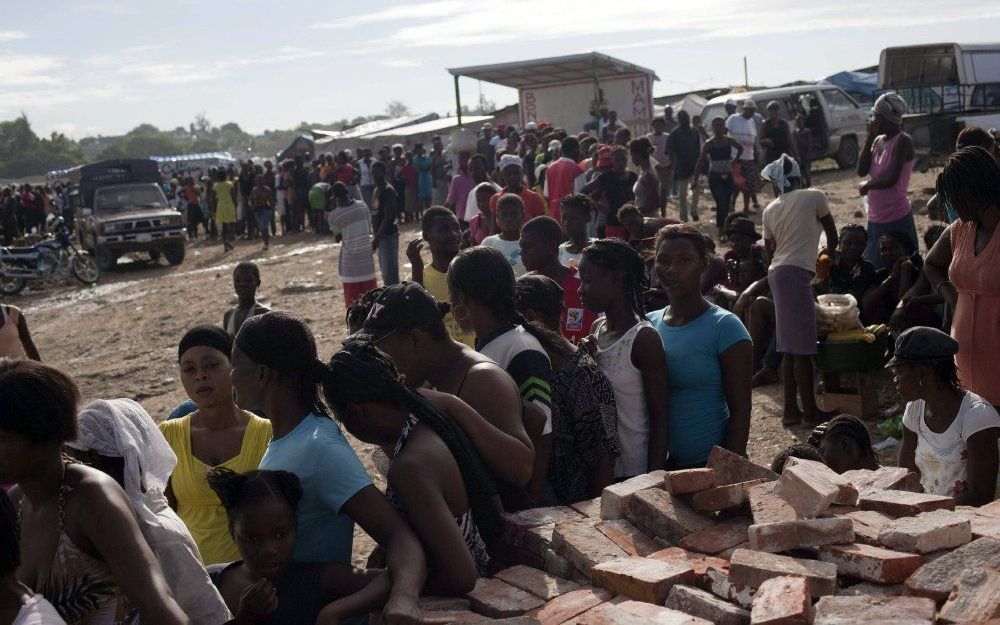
(891, 106)
(121, 428)
(775, 172)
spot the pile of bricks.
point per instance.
(734, 543)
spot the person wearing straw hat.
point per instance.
(949, 434)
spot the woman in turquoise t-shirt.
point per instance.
(276, 370)
(709, 355)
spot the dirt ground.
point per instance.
(119, 339)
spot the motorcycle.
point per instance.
(44, 259)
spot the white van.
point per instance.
(957, 80)
(838, 123)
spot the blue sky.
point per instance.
(97, 66)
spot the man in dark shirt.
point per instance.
(684, 147)
(386, 233)
(8, 213)
(485, 147)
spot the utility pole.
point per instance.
(746, 76)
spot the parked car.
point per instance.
(838, 123)
(120, 208)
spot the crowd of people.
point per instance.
(564, 335)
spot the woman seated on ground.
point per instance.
(845, 444)
(921, 306)
(81, 546)
(119, 437)
(584, 415)
(798, 450)
(218, 434)
(949, 434)
(437, 481)
(709, 355)
(850, 273)
(266, 587)
(276, 370)
(481, 286)
(902, 269)
(19, 605)
(409, 327)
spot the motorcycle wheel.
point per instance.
(85, 268)
(12, 286)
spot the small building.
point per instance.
(568, 91)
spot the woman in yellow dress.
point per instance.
(218, 434)
(224, 192)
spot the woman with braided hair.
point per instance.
(845, 444)
(629, 351)
(481, 289)
(961, 267)
(276, 372)
(437, 480)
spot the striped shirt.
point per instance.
(353, 222)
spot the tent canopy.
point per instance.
(860, 85)
(558, 69)
(437, 125)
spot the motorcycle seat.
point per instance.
(20, 250)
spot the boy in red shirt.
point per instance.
(540, 239)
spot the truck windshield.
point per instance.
(129, 196)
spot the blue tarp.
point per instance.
(859, 85)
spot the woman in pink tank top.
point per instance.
(962, 267)
(887, 161)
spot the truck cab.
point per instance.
(120, 208)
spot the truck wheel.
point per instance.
(106, 259)
(847, 153)
(174, 253)
(154, 255)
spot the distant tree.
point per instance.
(144, 129)
(231, 127)
(22, 153)
(144, 146)
(395, 108)
(205, 144)
(201, 125)
(113, 151)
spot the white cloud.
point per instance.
(424, 10)
(12, 35)
(21, 70)
(172, 73)
(401, 63)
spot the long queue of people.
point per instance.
(527, 364)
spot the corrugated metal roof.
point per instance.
(557, 69)
(444, 123)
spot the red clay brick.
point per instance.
(538, 583)
(721, 586)
(927, 532)
(867, 525)
(539, 516)
(643, 579)
(899, 503)
(723, 497)
(873, 564)
(688, 481)
(698, 562)
(497, 599)
(555, 564)
(444, 604)
(660, 514)
(718, 538)
(659, 615)
(782, 600)
(884, 478)
(614, 498)
(752, 568)
(730, 468)
(728, 553)
(583, 545)
(874, 611)
(775, 537)
(442, 617)
(625, 535)
(565, 607)
(589, 507)
(847, 494)
(871, 588)
(807, 491)
(935, 579)
(767, 507)
(976, 597)
(705, 605)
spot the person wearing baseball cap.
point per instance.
(949, 434)
(407, 323)
(512, 175)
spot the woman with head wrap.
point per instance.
(120, 438)
(886, 162)
(218, 434)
